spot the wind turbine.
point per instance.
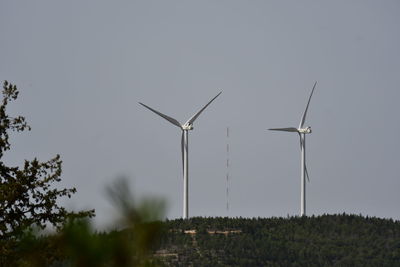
(302, 134)
(185, 149)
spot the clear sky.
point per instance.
(83, 66)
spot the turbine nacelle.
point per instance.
(306, 130)
(187, 127)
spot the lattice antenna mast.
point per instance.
(227, 169)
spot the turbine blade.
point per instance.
(301, 142)
(194, 117)
(308, 177)
(171, 120)
(290, 129)
(182, 150)
(302, 146)
(303, 118)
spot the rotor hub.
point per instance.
(306, 130)
(187, 127)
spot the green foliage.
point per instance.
(77, 244)
(28, 196)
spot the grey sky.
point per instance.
(82, 66)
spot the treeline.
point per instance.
(329, 240)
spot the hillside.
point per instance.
(329, 240)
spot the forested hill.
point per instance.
(329, 240)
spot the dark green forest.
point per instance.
(328, 240)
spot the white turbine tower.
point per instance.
(302, 134)
(185, 150)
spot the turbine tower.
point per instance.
(185, 149)
(302, 134)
